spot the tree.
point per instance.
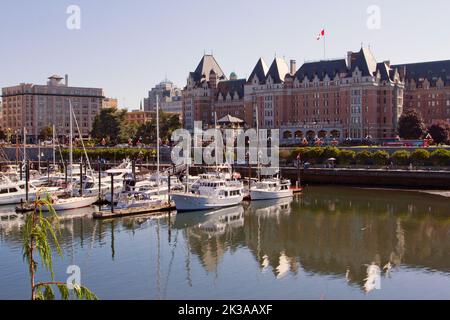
(46, 132)
(35, 235)
(168, 123)
(411, 125)
(3, 135)
(440, 131)
(107, 125)
(128, 131)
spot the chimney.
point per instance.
(293, 67)
(349, 59)
(66, 80)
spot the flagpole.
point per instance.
(324, 46)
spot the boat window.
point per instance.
(12, 190)
(3, 191)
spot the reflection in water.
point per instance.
(359, 237)
(209, 233)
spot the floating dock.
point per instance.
(119, 213)
(296, 190)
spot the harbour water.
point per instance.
(328, 243)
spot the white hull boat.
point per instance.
(271, 189)
(71, 203)
(193, 202)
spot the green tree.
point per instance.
(440, 131)
(36, 233)
(420, 157)
(346, 157)
(411, 125)
(46, 132)
(381, 158)
(364, 157)
(107, 125)
(3, 135)
(128, 131)
(401, 157)
(168, 123)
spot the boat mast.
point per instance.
(157, 141)
(257, 142)
(70, 142)
(215, 139)
(24, 145)
(54, 148)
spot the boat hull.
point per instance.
(269, 195)
(192, 202)
(72, 203)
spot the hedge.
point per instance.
(364, 157)
(419, 157)
(111, 153)
(381, 158)
(440, 157)
(401, 158)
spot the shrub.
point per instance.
(286, 155)
(401, 157)
(310, 154)
(420, 157)
(346, 157)
(330, 152)
(364, 157)
(440, 157)
(381, 158)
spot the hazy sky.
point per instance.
(126, 47)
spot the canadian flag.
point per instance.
(321, 34)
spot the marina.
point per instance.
(317, 245)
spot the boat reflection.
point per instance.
(272, 207)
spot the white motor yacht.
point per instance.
(211, 193)
(271, 188)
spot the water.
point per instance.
(318, 246)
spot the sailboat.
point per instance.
(143, 196)
(71, 202)
(272, 187)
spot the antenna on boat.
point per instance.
(216, 136)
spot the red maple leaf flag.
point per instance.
(321, 34)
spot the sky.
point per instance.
(126, 47)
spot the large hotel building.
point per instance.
(355, 97)
(35, 107)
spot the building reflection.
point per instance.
(327, 231)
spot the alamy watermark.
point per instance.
(374, 19)
(226, 146)
(73, 22)
(74, 278)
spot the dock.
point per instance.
(120, 213)
(297, 190)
